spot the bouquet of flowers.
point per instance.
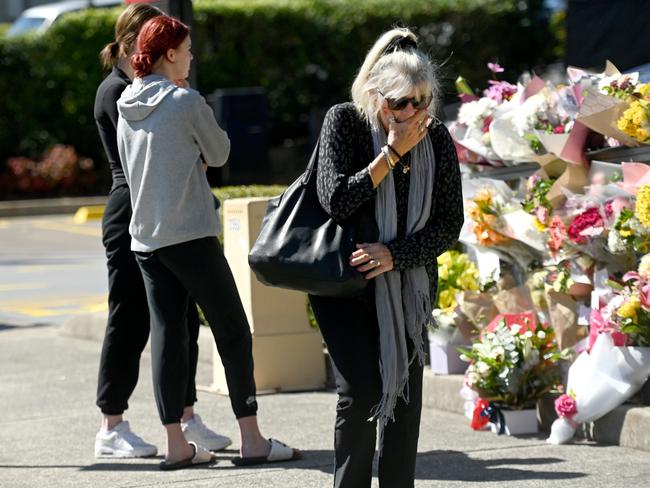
(598, 382)
(456, 273)
(471, 130)
(513, 367)
(635, 121)
(535, 201)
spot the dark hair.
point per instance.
(156, 37)
(127, 28)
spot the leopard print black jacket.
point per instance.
(344, 186)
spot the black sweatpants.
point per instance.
(127, 329)
(198, 269)
(350, 330)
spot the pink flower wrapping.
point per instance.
(565, 406)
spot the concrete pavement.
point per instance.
(47, 388)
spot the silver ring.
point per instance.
(378, 263)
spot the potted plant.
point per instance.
(511, 366)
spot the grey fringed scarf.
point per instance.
(403, 307)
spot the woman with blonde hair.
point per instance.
(386, 155)
(127, 329)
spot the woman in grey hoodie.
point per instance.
(166, 135)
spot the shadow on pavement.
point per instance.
(458, 466)
(4, 327)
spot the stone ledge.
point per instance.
(93, 325)
(47, 206)
(627, 425)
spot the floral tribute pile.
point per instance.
(561, 280)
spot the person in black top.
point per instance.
(127, 329)
(386, 155)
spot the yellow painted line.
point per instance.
(54, 307)
(72, 229)
(22, 286)
(89, 212)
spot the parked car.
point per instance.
(36, 20)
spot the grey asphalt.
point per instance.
(48, 423)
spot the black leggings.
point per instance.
(198, 269)
(351, 332)
(127, 329)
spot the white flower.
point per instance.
(526, 115)
(482, 368)
(514, 329)
(541, 334)
(497, 352)
(472, 378)
(644, 266)
(615, 242)
(465, 357)
(473, 113)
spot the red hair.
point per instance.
(156, 37)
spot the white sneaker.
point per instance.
(196, 431)
(121, 442)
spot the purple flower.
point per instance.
(495, 68)
(565, 406)
(500, 90)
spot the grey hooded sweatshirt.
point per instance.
(162, 133)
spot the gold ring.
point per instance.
(378, 263)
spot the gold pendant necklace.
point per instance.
(405, 167)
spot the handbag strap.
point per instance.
(312, 166)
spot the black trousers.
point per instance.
(351, 332)
(171, 275)
(127, 329)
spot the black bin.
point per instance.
(244, 114)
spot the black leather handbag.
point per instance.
(301, 248)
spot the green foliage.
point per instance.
(226, 192)
(305, 53)
(51, 80)
(4, 27)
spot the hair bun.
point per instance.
(142, 63)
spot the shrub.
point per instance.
(303, 52)
(59, 171)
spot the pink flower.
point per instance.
(486, 123)
(500, 90)
(583, 223)
(644, 297)
(495, 68)
(542, 214)
(556, 234)
(565, 406)
(618, 204)
(559, 129)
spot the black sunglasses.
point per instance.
(402, 103)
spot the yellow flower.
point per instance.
(539, 226)
(467, 281)
(642, 209)
(625, 232)
(629, 309)
(447, 298)
(443, 272)
(445, 259)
